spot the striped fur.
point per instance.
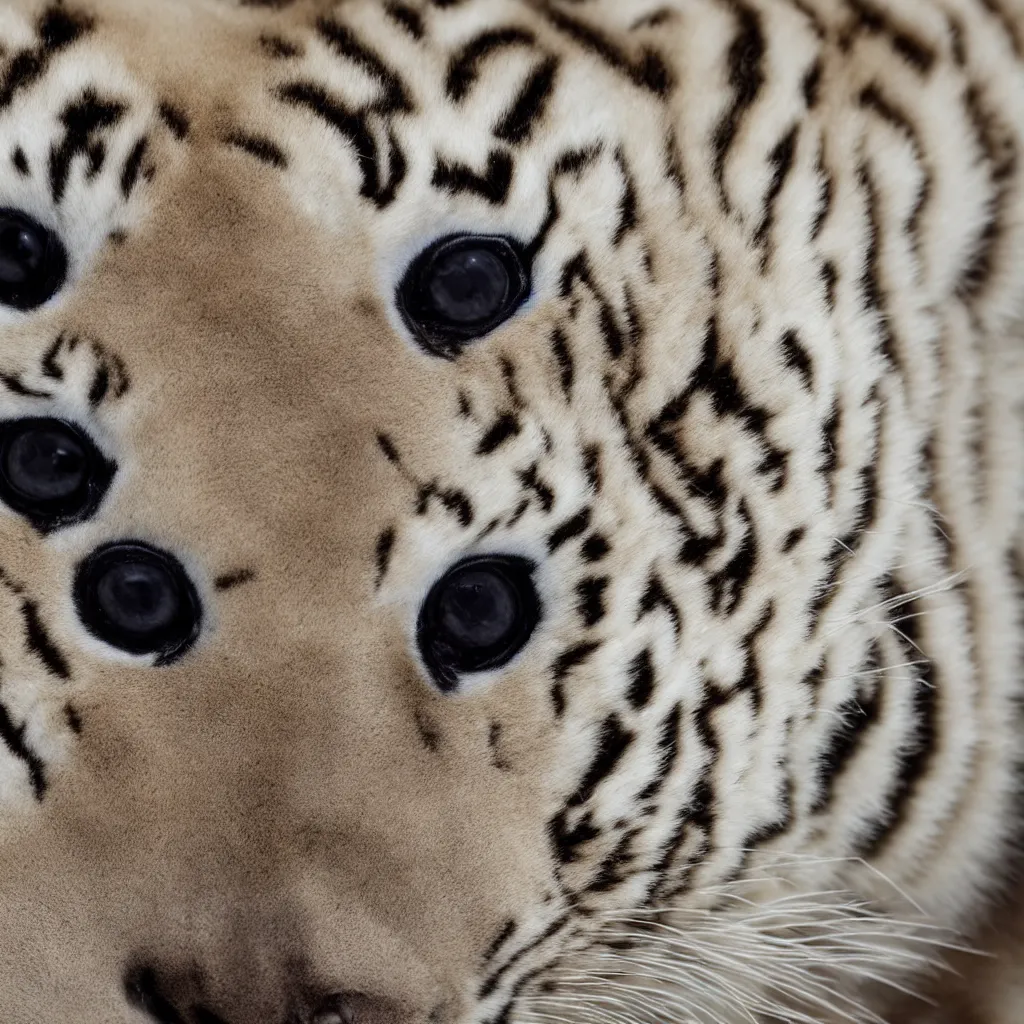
(759, 427)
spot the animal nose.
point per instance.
(147, 992)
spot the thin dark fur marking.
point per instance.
(230, 580)
(262, 148)
(39, 642)
(493, 185)
(517, 124)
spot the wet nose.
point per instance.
(166, 1003)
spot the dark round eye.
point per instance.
(33, 262)
(478, 616)
(138, 599)
(51, 472)
(462, 288)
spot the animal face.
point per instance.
(456, 499)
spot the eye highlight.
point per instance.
(478, 616)
(462, 288)
(33, 261)
(138, 599)
(51, 472)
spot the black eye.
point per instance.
(462, 288)
(138, 599)
(33, 262)
(51, 472)
(478, 616)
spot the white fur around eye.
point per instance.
(91, 205)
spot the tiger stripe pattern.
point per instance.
(757, 429)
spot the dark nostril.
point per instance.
(143, 991)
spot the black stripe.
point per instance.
(73, 718)
(871, 289)
(729, 583)
(610, 871)
(410, 19)
(914, 51)
(571, 528)
(746, 76)
(352, 125)
(750, 677)
(97, 154)
(793, 538)
(1002, 157)
(133, 166)
(278, 47)
(577, 269)
(674, 163)
(504, 428)
(916, 758)
(175, 119)
(231, 580)
(648, 71)
(491, 983)
(826, 196)
(343, 41)
(39, 642)
(572, 161)
(571, 658)
(452, 500)
(20, 161)
(612, 743)
(656, 596)
(81, 120)
(516, 125)
(590, 599)
(1010, 25)
(563, 356)
(505, 933)
(465, 66)
(628, 202)
(592, 466)
(811, 84)
(558, 699)
(13, 737)
(259, 146)
(668, 746)
(49, 365)
(829, 278)
(781, 162)
(595, 547)
(641, 680)
(531, 480)
(58, 29)
(99, 386)
(493, 185)
(383, 551)
(871, 98)
(796, 357)
(661, 16)
(15, 386)
(856, 716)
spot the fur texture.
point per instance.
(758, 427)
